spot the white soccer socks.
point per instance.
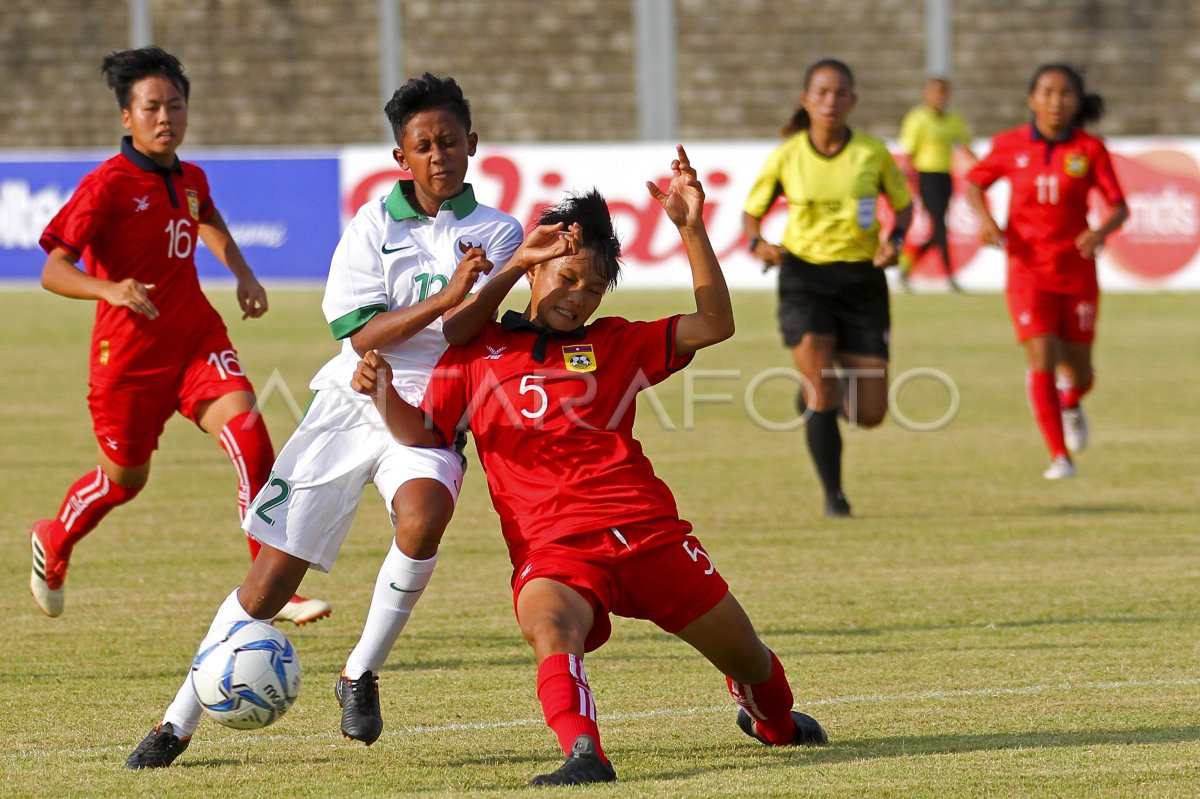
(184, 712)
(398, 587)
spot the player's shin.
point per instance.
(87, 502)
(567, 703)
(248, 445)
(825, 444)
(1043, 399)
(184, 712)
(769, 703)
(398, 587)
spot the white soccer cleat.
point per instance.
(301, 610)
(1075, 428)
(47, 575)
(1061, 467)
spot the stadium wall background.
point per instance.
(307, 72)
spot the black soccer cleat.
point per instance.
(361, 719)
(158, 749)
(836, 506)
(582, 767)
(808, 730)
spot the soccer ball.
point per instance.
(249, 678)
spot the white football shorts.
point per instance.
(308, 504)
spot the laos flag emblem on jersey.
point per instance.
(1075, 165)
(193, 198)
(579, 358)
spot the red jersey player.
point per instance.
(1052, 166)
(591, 530)
(158, 346)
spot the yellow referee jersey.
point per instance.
(831, 200)
(929, 138)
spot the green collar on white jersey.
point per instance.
(398, 206)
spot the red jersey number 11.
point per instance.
(1047, 189)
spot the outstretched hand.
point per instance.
(684, 199)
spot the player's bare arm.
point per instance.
(251, 296)
(62, 277)
(406, 423)
(989, 232)
(1089, 241)
(544, 243)
(683, 202)
(888, 253)
(394, 327)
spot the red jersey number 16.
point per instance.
(179, 238)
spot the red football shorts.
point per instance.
(128, 415)
(653, 570)
(1071, 317)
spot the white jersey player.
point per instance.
(400, 282)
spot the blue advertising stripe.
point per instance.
(283, 211)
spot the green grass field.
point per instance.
(975, 630)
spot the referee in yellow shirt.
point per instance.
(833, 295)
(928, 135)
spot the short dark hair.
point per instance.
(123, 68)
(590, 210)
(1091, 106)
(421, 94)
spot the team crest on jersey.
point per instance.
(193, 198)
(579, 358)
(1075, 165)
(467, 242)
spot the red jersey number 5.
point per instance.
(695, 552)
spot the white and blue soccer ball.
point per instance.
(249, 678)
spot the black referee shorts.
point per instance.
(846, 299)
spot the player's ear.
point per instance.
(126, 119)
(534, 271)
(398, 157)
(472, 142)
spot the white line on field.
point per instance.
(920, 696)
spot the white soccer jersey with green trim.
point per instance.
(392, 256)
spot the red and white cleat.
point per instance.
(301, 610)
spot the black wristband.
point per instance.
(754, 242)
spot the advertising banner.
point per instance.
(1158, 248)
(286, 211)
(282, 210)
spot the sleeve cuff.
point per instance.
(351, 323)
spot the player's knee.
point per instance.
(418, 535)
(552, 632)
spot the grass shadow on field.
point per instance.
(1010, 514)
(834, 632)
(910, 745)
(907, 746)
(1107, 510)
